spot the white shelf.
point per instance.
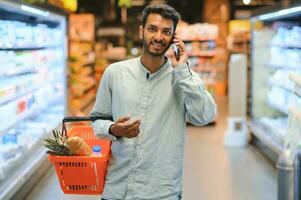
(32, 112)
(279, 85)
(296, 78)
(15, 96)
(282, 66)
(17, 70)
(286, 46)
(278, 107)
(29, 48)
(262, 133)
(17, 176)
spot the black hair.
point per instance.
(164, 10)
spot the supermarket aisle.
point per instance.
(211, 172)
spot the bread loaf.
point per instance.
(78, 146)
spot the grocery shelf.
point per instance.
(31, 113)
(282, 66)
(296, 78)
(239, 51)
(88, 88)
(33, 88)
(286, 46)
(89, 64)
(199, 40)
(279, 85)
(203, 68)
(114, 58)
(28, 48)
(15, 96)
(201, 54)
(87, 100)
(22, 170)
(17, 71)
(262, 133)
(278, 107)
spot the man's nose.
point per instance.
(159, 35)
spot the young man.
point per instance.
(150, 98)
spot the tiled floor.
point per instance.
(211, 171)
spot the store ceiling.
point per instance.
(110, 7)
(256, 2)
(106, 7)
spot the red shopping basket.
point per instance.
(82, 174)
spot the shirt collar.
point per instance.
(161, 69)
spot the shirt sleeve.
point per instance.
(103, 107)
(200, 106)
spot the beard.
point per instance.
(147, 47)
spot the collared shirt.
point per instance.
(149, 166)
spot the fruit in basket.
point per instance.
(78, 146)
(56, 145)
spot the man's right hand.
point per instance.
(125, 127)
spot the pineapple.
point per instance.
(56, 145)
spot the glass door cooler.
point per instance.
(32, 90)
(275, 54)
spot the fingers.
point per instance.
(132, 128)
(134, 122)
(123, 119)
(133, 131)
(128, 127)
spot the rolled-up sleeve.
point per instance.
(200, 106)
(103, 107)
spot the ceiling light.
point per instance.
(246, 2)
(35, 11)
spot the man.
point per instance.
(150, 99)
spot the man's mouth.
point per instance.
(157, 45)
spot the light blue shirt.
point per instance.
(149, 167)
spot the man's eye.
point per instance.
(167, 32)
(151, 29)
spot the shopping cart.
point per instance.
(82, 174)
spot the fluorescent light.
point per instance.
(246, 2)
(279, 13)
(35, 11)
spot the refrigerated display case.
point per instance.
(32, 89)
(275, 53)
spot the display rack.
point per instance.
(82, 83)
(32, 90)
(110, 47)
(200, 41)
(293, 139)
(275, 54)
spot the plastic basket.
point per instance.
(83, 174)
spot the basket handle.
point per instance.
(80, 119)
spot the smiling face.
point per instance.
(156, 35)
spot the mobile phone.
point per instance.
(176, 51)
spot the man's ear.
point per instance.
(141, 32)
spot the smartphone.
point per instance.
(176, 51)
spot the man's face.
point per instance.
(157, 34)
